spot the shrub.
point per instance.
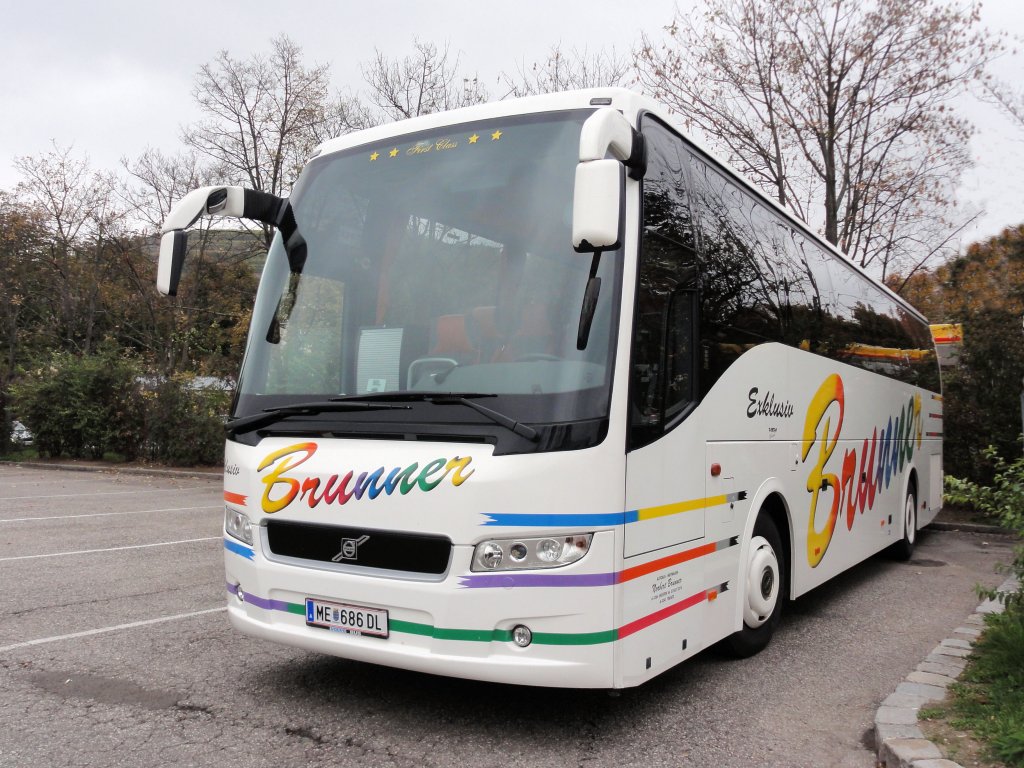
(6, 424)
(185, 425)
(83, 406)
(1003, 500)
(977, 389)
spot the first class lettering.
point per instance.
(280, 489)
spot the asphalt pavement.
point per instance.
(115, 651)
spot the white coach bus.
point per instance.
(540, 392)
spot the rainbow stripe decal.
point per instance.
(600, 520)
(512, 579)
(505, 635)
(239, 549)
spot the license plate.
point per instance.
(346, 618)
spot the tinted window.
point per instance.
(662, 374)
(762, 281)
(872, 331)
(737, 310)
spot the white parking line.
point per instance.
(102, 630)
(107, 514)
(102, 493)
(109, 549)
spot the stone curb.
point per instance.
(113, 468)
(995, 530)
(899, 742)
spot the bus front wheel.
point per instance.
(763, 591)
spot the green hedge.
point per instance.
(1002, 500)
(83, 406)
(90, 406)
(185, 426)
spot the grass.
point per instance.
(988, 701)
(20, 453)
(956, 744)
(31, 454)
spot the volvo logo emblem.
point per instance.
(350, 549)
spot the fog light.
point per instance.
(549, 550)
(239, 593)
(522, 636)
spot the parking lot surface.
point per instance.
(115, 651)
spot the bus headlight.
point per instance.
(490, 555)
(543, 552)
(238, 525)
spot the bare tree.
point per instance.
(82, 216)
(565, 72)
(214, 288)
(156, 181)
(422, 83)
(263, 116)
(344, 114)
(839, 109)
(65, 187)
(22, 245)
(1007, 98)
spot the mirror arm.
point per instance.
(608, 132)
(637, 160)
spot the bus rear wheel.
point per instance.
(764, 590)
(904, 548)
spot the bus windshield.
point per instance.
(437, 262)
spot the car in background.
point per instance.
(20, 434)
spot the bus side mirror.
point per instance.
(209, 201)
(173, 245)
(597, 206)
(600, 180)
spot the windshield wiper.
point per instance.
(271, 415)
(446, 398)
(498, 418)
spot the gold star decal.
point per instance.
(374, 156)
(474, 139)
(496, 135)
(393, 152)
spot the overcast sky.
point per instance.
(111, 78)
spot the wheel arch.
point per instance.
(770, 499)
(774, 505)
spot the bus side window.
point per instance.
(662, 373)
(732, 316)
(680, 373)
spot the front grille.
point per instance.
(360, 547)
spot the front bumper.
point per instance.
(440, 627)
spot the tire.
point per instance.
(904, 548)
(764, 590)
